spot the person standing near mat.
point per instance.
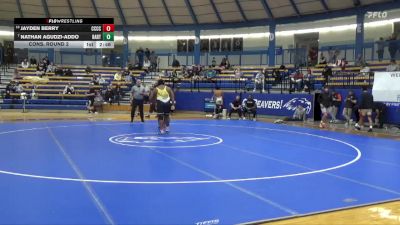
(91, 94)
(138, 92)
(349, 104)
(366, 106)
(325, 101)
(165, 102)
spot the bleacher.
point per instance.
(49, 94)
(348, 78)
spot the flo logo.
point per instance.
(377, 15)
(174, 140)
(294, 102)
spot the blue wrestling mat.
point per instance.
(203, 172)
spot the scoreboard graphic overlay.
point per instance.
(63, 33)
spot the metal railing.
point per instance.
(282, 84)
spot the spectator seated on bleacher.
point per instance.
(225, 64)
(25, 64)
(68, 72)
(308, 81)
(33, 93)
(342, 63)
(185, 72)
(259, 80)
(46, 61)
(297, 80)
(109, 95)
(118, 75)
(276, 74)
(210, 74)
(69, 89)
(176, 63)
(238, 73)
(392, 66)
(18, 88)
(41, 69)
(95, 79)
(50, 68)
(10, 88)
(128, 79)
(365, 69)
(322, 59)
(32, 61)
(102, 81)
(197, 70)
(58, 71)
(88, 69)
(127, 76)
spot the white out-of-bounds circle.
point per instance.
(174, 140)
(355, 159)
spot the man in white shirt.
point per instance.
(25, 64)
(69, 89)
(259, 79)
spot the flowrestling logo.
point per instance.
(293, 103)
(174, 140)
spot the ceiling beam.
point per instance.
(21, 14)
(121, 14)
(189, 6)
(260, 22)
(241, 10)
(295, 7)
(46, 8)
(144, 13)
(167, 11)
(95, 9)
(323, 2)
(70, 8)
(267, 8)
(216, 11)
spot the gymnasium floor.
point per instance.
(225, 172)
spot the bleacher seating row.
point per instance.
(50, 95)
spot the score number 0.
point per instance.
(108, 27)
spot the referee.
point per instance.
(138, 92)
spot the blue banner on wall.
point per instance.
(283, 104)
(267, 104)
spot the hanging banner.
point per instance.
(386, 87)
